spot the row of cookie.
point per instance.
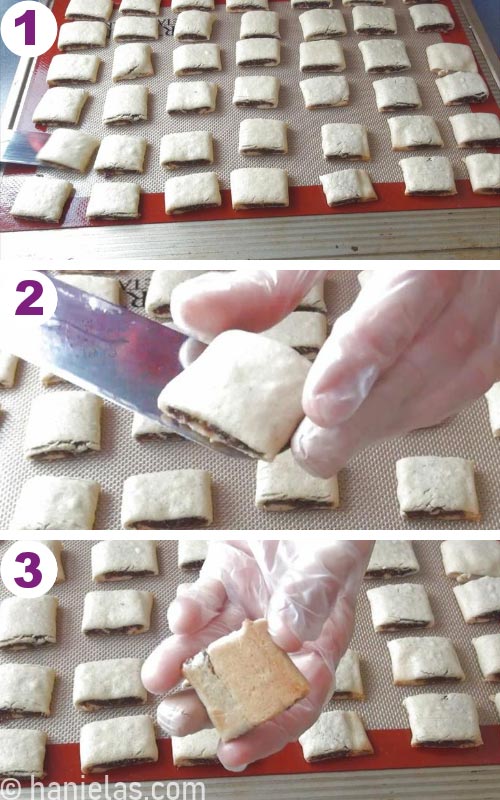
(321, 23)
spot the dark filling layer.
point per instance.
(192, 37)
(133, 13)
(332, 754)
(393, 68)
(246, 7)
(115, 575)
(196, 207)
(253, 104)
(320, 36)
(396, 106)
(82, 46)
(35, 641)
(126, 762)
(311, 4)
(296, 503)
(261, 151)
(405, 623)
(374, 31)
(494, 190)
(195, 70)
(322, 67)
(439, 513)
(201, 110)
(193, 565)
(470, 98)
(258, 62)
(16, 713)
(187, 421)
(482, 143)
(448, 743)
(261, 36)
(436, 26)
(124, 118)
(431, 193)
(307, 351)
(196, 162)
(350, 156)
(135, 38)
(262, 205)
(127, 629)
(162, 310)
(491, 616)
(197, 762)
(92, 705)
(393, 572)
(168, 524)
(152, 437)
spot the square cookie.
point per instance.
(136, 29)
(8, 368)
(426, 659)
(255, 24)
(67, 149)
(114, 201)
(392, 559)
(125, 104)
(431, 17)
(42, 198)
(325, 91)
(488, 655)
(147, 8)
(322, 56)
(441, 488)
(192, 192)
(244, 680)
(161, 286)
(195, 97)
(446, 57)
(82, 35)
(336, 734)
(189, 59)
(493, 394)
(53, 503)
(73, 68)
(348, 186)
(393, 94)
(194, 26)
(402, 605)
(60, 106)
(191, 554)
(384, 55)
(260, 137)
(123, 560)
(225, 395)
(429, 176)
(167, 500)
(465, 560)
(459, 88)
(259, 187)
(89, 9)
(283, 485)
(27, 622)
(125, 611)
(109, 684)
(258, 52)
(306, 332)
(345, 140)
(197, 749)
(479, 600)
(261, 91)
(25, 690)
(117, 743)
(121, 154)
(322, 23)
(22, 753)
(348, 682)
(476, 130)
(132, 61)
(373, 21)
(63, 424)
(193, 148)
(448, 720)
(414, 132)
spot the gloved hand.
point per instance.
(308, 596)
(416, 347)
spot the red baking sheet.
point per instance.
(304, 200)
(392, 751)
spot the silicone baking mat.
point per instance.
(367, 485)
(382, 710)
(304, 162)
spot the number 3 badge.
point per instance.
(28, 569)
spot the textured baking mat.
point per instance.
(304, 161)
(367, 485)
(381, 711)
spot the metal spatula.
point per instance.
(21, 147)
(109, 351)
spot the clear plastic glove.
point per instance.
(416, 347)
(308, 596)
